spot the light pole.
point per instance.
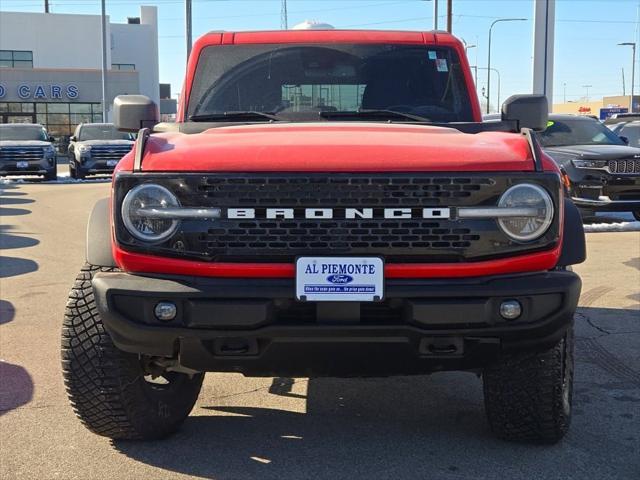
(564, 92)
(633, 69)
(587, 87)
(103, 31)
(489, 57)
(466, 51)
(188, 26)
(497, 72)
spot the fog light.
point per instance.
(165, 311)
(510, 309)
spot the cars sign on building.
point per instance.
(50, 66)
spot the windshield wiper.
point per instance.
(373, 113)
(241, 116)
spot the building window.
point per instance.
(123, 66)
(16, 59)
(60, 119)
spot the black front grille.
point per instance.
(17, 154)
(109, 152)
(351, 191)
(336, 236)
(624, 166)
(414, 239)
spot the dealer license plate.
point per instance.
(339, 279)
(22, 164)
(112, 163)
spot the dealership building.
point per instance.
(51, 66)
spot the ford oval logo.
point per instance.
(340, 279)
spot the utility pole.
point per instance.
(46, 6)
(449, 16)
(633, 70)
(564, 92)
(624, 89)
(104, 63)
(587, 87)
(284, 17)
(187, 23)
(435, 14)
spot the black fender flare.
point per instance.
(98, 250)
(574, 248)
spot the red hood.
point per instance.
(333, 147)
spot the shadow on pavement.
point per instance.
(352, 428)
(7, 312)
(16, 388)
(10, 239)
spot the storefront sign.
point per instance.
(44, 92)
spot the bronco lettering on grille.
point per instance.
(330, 213)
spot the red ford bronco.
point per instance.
(328, 203)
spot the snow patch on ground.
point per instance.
(62, 178)
(613, 227)
(612, 222)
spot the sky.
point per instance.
(586, 50)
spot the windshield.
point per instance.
(581, 131)
(632, 132)
(23, 132)
(102, 132)
(296, 79)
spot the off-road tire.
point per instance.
(106, 386)
(528, 396)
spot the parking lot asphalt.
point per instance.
(406, 427)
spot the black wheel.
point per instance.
(528, 397)
(51, 175)
(636, 215)
(77, 172)
(111, 391)
(586, 214)
(72, 168)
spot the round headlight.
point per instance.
(526, 195)
(142, 212)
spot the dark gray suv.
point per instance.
(96, 148)
(27, 149)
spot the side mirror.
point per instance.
(72, 138)
(530, 111)
(624, 139)
(133, 112)
(51, 139)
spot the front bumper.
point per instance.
(254, 326)
(89, 166)
(34, 167)
(606, 192)
(606, 204)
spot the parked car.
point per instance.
(621, 118)
(96, 148)
(629, 132)
(329, 203)
(603, 170)
(27, 149)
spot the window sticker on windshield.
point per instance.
(441, 65)
(433, 55)
(550, 123)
